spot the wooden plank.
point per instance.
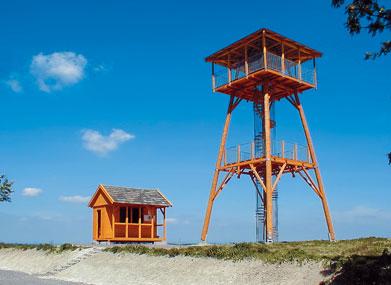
(164, 224)
(264, 50)
(126, 222)
(213, 77)
(300, 77)
(252, 150)
(229, 71)
(152, 225)
(274, 159)
(312, 186)
(113, 220)
(315, 77)
(282, 59)
(246, 60)
(256, 187)
(268, 168)
(139, 222)
(312, 181)
(223, 183)
(238, 159)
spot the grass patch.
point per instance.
(333, 253)
(44, 247)
(358, 261)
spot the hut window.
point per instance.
(135, 215)
(122, 214)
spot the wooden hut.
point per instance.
(123, 214)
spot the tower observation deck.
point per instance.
(264, 68)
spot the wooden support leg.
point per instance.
(212, 193)
(317, 171)
(268, 170)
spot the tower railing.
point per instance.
(297, 70)
(281, 149)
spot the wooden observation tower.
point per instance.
(263, 68)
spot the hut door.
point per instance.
(99, 223)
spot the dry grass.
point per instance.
(358, 261)
(45, 247)
(273, 253)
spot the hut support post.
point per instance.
(232, 105)
(139, 222)
(164, 224)
(316, 168)
(152, 224)
(126, 223)
(113, 221)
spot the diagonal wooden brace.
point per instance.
(258, 177)
(278, 176)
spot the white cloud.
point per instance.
(31, 192)
(363, 213)
(175, 221)
(75, 199)
(100, 68)
(14, 85)
(56, 70)
(96, 142)
(171, 220)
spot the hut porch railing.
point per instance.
(145, 231)
(137, 231)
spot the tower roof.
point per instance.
(307, 52)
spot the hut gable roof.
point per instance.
(137, 196)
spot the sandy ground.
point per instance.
(107, 268)
(33, 261)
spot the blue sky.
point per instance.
(74, 72)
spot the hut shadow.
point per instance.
(360, 270)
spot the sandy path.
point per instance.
(19, 278)
(120, 269)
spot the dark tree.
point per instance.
(5, 189)
(370, 16)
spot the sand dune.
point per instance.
(102, 268)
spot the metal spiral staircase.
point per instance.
(260, 223)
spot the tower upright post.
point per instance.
(268, 165)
